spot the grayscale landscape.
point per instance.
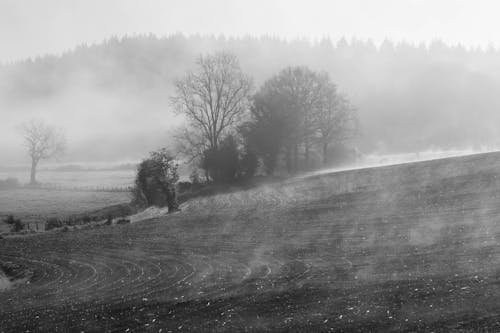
(236, 166)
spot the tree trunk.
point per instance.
(325, 153)
(33, 172)
(215, 143)
(288, 158)
(295, 157)
(306, 155)
(172, 203)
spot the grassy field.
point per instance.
(100, 178)
(413, 247)
(36, 205)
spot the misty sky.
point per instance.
(92, 115)
(32, 27)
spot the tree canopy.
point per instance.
(214, 97)
(293, 112)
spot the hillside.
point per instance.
(412, 247)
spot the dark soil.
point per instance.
(397, 249)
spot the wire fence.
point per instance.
(59, 187)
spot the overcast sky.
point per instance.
(34, 27)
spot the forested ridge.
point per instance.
(386, 83)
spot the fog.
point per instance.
(378, 160)
(113, 99)
(99, 126)
(336, 231)
(420, 79)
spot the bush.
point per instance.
(9, 220)
(155, 181)
(222, 164)
(122, 221)
(184, 187)
(53, 223)
(195, 178)
(249, 163)
(16, 224)
(70, 221)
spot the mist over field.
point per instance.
(112, 98)
(249, 166)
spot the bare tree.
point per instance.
(43, 142)
(190, 143)
(214, 97)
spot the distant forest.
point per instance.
(408, 97)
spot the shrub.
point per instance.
(53, 223)
(249, 163)
(9, 220)
(184, 186)
(195, 178)
(122, 221)
(70, 221)
(16, 224)
(155, 181)
(222, 164)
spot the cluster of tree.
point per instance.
(125, 62)
(425, 91)
(296, 112)
(233, 130)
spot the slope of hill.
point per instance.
(413, 247)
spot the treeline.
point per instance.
(234, 131)
(293, 117)
(146, 62)
(433, 96)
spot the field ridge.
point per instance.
(410, 247)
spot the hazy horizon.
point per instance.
(54, 26)
(110, 93)
(116, 108)
(257, 166)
